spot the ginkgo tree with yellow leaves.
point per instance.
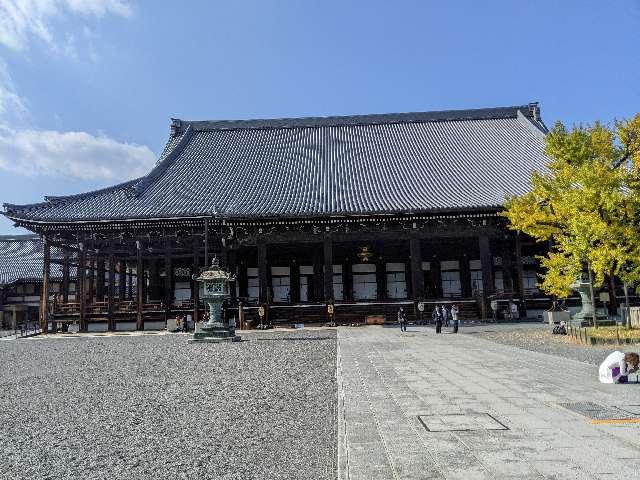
(587, 203)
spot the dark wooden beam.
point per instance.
(81, 291)
(417, 277)
(122, 280)
(232, 267)
(315, 291)
(111, 292)
(100, 273)
(519, 286)
(44, 293)
(436, 275)
(347, 280)
(65, 279)
(139, 289)
(154, 280)
(507, 265)
(465, 275)
(195, 286)
(381, 279)
(294, 276)
(91, 288)
(263, 273)
(327, 248)
(486, 260)
(168, 275)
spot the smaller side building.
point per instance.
(21, 271)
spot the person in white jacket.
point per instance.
(617, 366)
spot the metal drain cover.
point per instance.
(635, 409)
(598, 412)
(460, 422)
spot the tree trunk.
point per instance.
(627, 309)
(593, 298)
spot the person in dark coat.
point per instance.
(437, 314)
(446, 315)
(402, 319)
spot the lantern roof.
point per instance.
(215, 272)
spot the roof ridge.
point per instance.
(491, 113)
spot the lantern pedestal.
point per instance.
(214, 336)
(216, 290)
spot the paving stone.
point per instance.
(405, 377)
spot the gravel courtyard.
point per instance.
(153, 406)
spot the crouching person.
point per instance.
(617, 367)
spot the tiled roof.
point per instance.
(369, 164)
(21, 258)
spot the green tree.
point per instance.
(587, 203)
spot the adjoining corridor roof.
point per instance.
(22, 259)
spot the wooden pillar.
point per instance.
(140, 287)
(154, 280)
(168, 275)
(347, 280)
(122, 280)
(417, 277)
(381, 282)
(232, 266)
(111, 290)
(91, 288)
(81, 288)
(519, 286)
(44, 293)
(195, 286)
(315, 293)
(65, 278)
(130, 283)
(243, 286)
(507, 266)
(436, 275)
(263, 266)
(294, 275)
(486, 260)
(100, 271)
(328, 267)
(465, 276)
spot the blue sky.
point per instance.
(87, 87)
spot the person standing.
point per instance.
(446, 316)
(454, 316)
(402, 319)
(438, 314)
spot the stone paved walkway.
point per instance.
(387, 379)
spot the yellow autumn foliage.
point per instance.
(587, 203)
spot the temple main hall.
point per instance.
(365, 213)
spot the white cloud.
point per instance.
(12, 106)
(24, 20)
(77, 155)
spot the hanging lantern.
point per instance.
(365, 254)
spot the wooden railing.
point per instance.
(127, 306)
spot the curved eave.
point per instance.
(488, 210)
